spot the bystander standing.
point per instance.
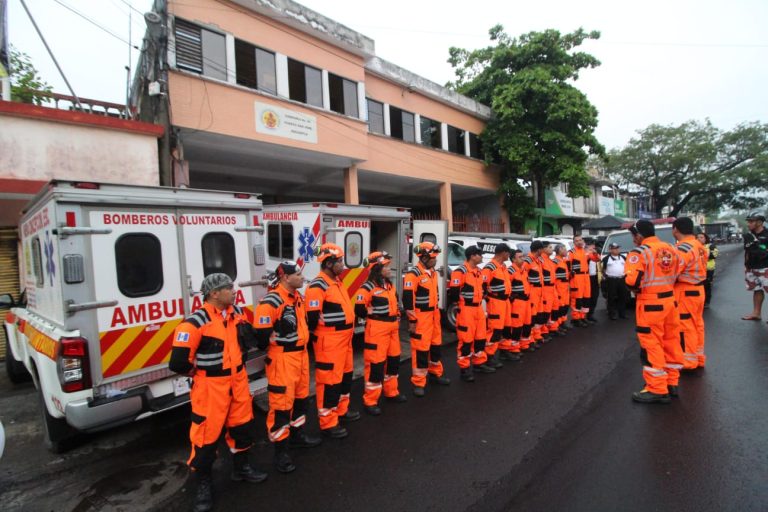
(756, 262)
(613, 280)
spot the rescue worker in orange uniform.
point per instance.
(549, 293)
(331, 319)
(280, 327)
(562, 285)
(497, 290)
(689, 292)
(420, 300)
(533, 271)
(377, 302)
(466, 288)
(580, 284)
(520, 309)
(651, 270)
(208, 346)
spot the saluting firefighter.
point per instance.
(562, 285)
(689, 292)
(652, 271)
(420, 301)
(377, 302)
(280, 326)
(331, 319)
(497, 290)
(466, 288)
(520, 308)
(208, 346)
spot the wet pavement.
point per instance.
(557, 431)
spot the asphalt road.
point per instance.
(557, 431)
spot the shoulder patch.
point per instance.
(634, 258)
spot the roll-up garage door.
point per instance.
(9, 274)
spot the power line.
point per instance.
(89, 20)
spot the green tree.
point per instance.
(542, 128)
(696, 166)
(26, 84)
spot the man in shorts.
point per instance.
(756, 262)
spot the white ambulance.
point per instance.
(108, 272)
(293, 231)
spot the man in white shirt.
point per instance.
(613, 282)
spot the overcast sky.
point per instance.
(662, 61)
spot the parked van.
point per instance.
(624, 239)
(108, 272)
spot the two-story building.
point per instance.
(272, 97)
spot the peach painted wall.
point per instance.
(388, 92)
(270, 35)
(212, 106)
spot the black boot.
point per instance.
(300, 439)
(243, 471)
(467, 375)
(493, 361)
(283, 462)
(203, 492)
(443, 381)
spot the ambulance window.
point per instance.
(37, 262)
(139, 262)
(353, 249)
(219, 254)
(428, 237)
(280, 240)
(455, 255)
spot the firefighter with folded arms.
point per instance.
(331, 318)
(520, 309)
(377, 302)
(209, 346)
(651, 271)
(497, 290)
(689, 292)
(280, 327)
(420, 301)
(466, 288)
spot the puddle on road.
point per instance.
(139, 487)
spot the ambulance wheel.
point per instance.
(450, 316)
(17, 372)
(57, 434)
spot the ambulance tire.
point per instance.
(16, 371)
(57, 434)
(449, 316)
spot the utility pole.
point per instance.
(5, 68)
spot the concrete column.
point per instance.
(326, 91)
(351, 195)
(387, 125)
(444, 135)
(504, 216)
(417, 127)
(281, 72)
(231, 71)
(446, 204)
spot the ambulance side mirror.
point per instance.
(6, 301)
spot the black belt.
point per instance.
(427, 308)
(293, 347)
(339, 327)
(613, 277)
(498, 296)
(470, 304)
(383, 318)
(222, 372)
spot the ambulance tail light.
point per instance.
(239, 195)
(88, 185)
(73, 365)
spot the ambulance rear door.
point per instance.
(435, 231)
(353, 234)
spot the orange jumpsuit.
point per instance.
(652, 270)
(497, 290)
(467, 287)
(580, 286)
(331, 318)
(206, 345)
(550, 303)
(520, 310)
(533, 271)
(689, 294)
(381, 348)
(281, 317)
(562, 287)
(420, 301)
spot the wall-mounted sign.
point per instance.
(558, 203)
(281, 122)
(606, 206)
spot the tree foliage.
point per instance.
(26, 84)
(542, 128)
(696, 166)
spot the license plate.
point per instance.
(181, 385)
